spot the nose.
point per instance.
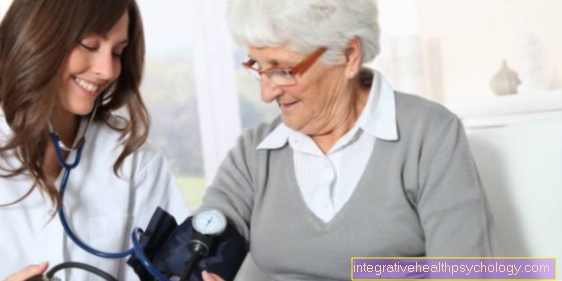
(104, 65)
(269, 90)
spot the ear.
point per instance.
(353, 57)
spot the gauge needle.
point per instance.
(209, 222)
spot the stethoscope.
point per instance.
(67, 167)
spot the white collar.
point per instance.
(378, 117)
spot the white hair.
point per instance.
(306, 25)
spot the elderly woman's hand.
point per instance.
(211, 277)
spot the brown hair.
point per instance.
(35, 38)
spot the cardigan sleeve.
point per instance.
(452, 206)
(232, 190)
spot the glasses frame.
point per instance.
(289, 71)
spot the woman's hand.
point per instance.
(34, 270)
(211, 277)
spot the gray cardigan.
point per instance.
(419, 196)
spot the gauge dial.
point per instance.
(209, 222)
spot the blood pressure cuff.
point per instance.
(165, 244)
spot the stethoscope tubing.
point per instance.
(136, 248)
(142, 257)
(77, 240)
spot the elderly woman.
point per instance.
(351, 167)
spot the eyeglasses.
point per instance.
(283, 76)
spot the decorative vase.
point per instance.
(505, 82)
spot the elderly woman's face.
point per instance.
(313, 101)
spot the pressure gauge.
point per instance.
(209, 222)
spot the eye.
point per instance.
(118, 54)
(253, 64)
(119, 49)
(89, 43)
(88, 47)
(279, 72)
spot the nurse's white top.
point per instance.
(101, 208)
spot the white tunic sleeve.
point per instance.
(154, 186)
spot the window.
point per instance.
(169, 91)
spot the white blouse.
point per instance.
(327, 181)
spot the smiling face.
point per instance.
(311, 105)
(91, 67)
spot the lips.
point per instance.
(86, 85)
(288, 105)
(90, 89)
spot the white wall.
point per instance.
(476, 35)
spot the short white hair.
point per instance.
(306, 25)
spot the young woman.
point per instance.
(66, 68)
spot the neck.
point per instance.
(66, 126)
(344, 118)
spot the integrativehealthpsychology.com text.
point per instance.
(371, 268)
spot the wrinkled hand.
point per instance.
(211, 277)
(33, 270)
